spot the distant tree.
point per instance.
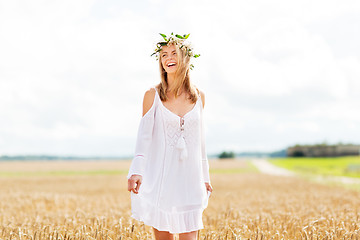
(298, 154)
(227, 155)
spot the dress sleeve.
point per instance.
(205, 161)
(143, 142)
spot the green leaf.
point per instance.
(186, 36)
(163, 43)
(164, 36)
(196, 55)
(179, 36)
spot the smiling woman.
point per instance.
(168, 58)
(170, 162)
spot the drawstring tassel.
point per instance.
(181, 142)
(182, 147)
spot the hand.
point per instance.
(134, 183)
(208, 187)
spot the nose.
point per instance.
(168, 59)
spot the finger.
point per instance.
(138, 186)
(131, 185)
(134, 190)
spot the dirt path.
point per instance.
(264, 166)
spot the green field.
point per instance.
(62, 173)
(222, 167)
(335, 166)
(78, 168)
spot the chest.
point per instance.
(179, 106)
(186, 127)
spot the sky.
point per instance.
(73, 73)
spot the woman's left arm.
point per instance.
(205, 161)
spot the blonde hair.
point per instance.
(182, 77)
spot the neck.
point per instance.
(171, 80)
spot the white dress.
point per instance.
(170, 155)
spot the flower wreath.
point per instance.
(177, 40)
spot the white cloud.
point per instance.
(73, 73)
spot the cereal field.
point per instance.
(89, 200)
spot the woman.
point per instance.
(169, 175)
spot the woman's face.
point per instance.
(169, 58)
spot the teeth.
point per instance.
(171, 64)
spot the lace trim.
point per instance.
(191, 132)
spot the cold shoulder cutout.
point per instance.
(149, 100)
(202, 96)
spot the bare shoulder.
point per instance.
(202, 94)
(148, 100)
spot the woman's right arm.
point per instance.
(143, 142)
